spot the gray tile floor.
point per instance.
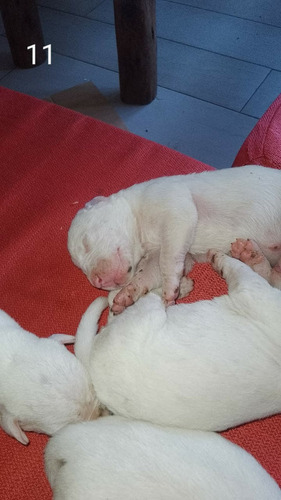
(219, 68)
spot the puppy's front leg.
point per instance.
(175, 261)
(146, 278)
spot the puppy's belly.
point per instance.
(272, 252)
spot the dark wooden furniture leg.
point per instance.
(23, 28)
(135, 28)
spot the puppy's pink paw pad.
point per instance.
(247, 251)
(126, 297)
(117, 309)
(170, 298)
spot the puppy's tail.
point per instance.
(87, 330)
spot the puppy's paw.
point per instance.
(247, 251)
(126, 297)
(116, 309)
(216, 258)
(186, 285)
(213, 254)
(169, 297)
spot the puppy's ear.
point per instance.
(11, 425)
(93, 202)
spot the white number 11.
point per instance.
(33, 54)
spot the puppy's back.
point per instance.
(114, 458)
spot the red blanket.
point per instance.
(52, 161)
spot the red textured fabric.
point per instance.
(263, 144)
(52, 161)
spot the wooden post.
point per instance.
(23, 28)
(135, 28)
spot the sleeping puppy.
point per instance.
(176, 219)
(118, 459)
(208, 365)
(42, 385)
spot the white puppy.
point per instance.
(42, 385)
(114, 458)
(208, 365)
(174, 217)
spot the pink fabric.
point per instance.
(263, 144)
(52, 161)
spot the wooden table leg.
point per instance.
(23, 28)
(135, 28)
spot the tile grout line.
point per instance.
(241, 110)
(221, 13)
(169, 39)
(218, 53)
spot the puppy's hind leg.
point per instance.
(249, 252)
(249, 294)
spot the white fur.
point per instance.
(208, 365)
(177, 215)
(42, 385)
(117, 459)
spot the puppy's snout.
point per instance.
(110, 278)
(103, 282)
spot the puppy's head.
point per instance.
(47, 388)
(60, 391)
(103, 241)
